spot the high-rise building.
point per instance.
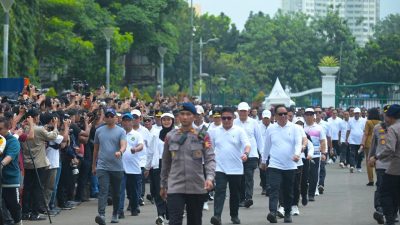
(361, 15)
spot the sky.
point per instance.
(239, 10)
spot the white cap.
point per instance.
(167, 115)
(236, 114)
(119, 114)
(243, 106)
(136, 112)
(309, 110)
(298, 119)
(199, 109)
(266, 114)
(357, 110)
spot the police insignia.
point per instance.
(383, 142)
(207, 142)
(197, 153)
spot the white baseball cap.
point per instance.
(298, 119)
(266, 114)
(199, 109)
(136, 112)
(167, 115)
(309, 110)
(357, 110)
(243, 106)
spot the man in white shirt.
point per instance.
(354, 136)
(318, 138)
(334, 124)
(228, 142)
(344, 147)
(216, 117)
(198, 123)
(283, 144)
(265, 122)
(136, 114)
(131, 164)
(253, 133)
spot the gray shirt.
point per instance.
(109, 143)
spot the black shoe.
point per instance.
(134, 213)
(235, 220)
(141, 202)
(311, 198)
(25, 216)
(248, 203)
(370, 184)
(272, 217)
(36, 217)
(263, 192)
(321, 189)
(287, 218)
(121, 215)
(378, 216)
(215, 220)
(150, 198)
(304, 201)
(100, 220)
(241, 204)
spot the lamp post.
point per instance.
(201, 84)
(191, 50)
(108, 33)
(201, 43)
(162, 51)
(6, 6)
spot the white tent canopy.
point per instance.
(277, 96)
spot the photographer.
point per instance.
(34, 155)
(10, 173)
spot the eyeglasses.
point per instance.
(318, 112)
(226, 118)
(109, 116)
(282, 114)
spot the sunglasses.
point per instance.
(109, 116)
(146, 121)
(282, 114)
(227, 118)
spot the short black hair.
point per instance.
(280, 106)
(228, 110)
(6, 121)
(373, 114)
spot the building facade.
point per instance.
(361, 15)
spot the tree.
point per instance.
(380, 59)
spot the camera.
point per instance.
(75, 170)
(80, 86)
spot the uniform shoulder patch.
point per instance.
(207, 142)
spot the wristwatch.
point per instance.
(247, 154)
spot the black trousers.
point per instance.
(390, 196)
(194, 208)
(355, 158)
(344, 153)
(33, 199)
(377, 196)
(221, 180)
(11, 200)
(85, 171)
(297, 185)
(314, 175)
(336, 149)
(322, 173)
(304, 178)
(154, 175)
(246, 188)
(281, 179)
(66, 185)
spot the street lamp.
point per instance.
(6, 6)
(108, 33)
(162, 51)
(201, 43)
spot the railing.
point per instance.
(366, 102)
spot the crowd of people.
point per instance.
(60, 151)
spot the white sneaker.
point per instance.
(359, 170)
(316, 192)
(330, 161)
(295, 210)
(351, 169)
(341, 165)
(281, 211)
(205, 206)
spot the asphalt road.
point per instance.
(347, 200)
